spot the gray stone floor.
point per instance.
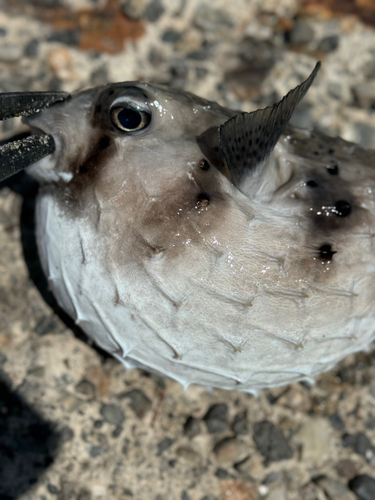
(73, 423)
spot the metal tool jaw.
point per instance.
(17, 155)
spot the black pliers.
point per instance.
(16, 155)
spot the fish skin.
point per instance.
(171, 268)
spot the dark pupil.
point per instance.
(129, 118)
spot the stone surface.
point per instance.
(112, 414)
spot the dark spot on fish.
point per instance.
(316, 153)
(342, 208)
(326, 252)
(204, 165)
(333, 169)
(320, 146)
(202, 201)
(238, 158)
(331, 151)
(312, 184)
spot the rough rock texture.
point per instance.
(73, 424)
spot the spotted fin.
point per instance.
(247, 139)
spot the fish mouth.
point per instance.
(19, 154)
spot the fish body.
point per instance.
(177, 256)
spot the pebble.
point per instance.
(61, 63)
(360, 444)
(84, 495)
(164, 445)
(328, 44)
(187, 453)
(86, 388)
(154, 10)
(236, 490)
(11, 53)
(231, 450)
(171, 36)
(271, 441)
(278, 493)
(216, 418)
(239, 425)
(96, 451)
(66, 37)
(209, 18)
(336, 422)
(139, 402)
(70, 403)
(364, 134)
(112, 414)
(301, 34)
(36, 371)
(133, 9)
(53, 489)
(364, 94)
(363, 486)
(335, 490)
(313, 438)
(66, 434)
(346, 468)
(192, 427)
(46, 325)
(32, 48)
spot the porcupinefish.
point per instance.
(215, 247)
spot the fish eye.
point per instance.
(128, 119)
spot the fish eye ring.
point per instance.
(128, 119)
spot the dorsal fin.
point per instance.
(248, 139)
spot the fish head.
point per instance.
(133, 127)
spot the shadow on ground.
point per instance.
(28, 444)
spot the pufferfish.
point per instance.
(218, 248)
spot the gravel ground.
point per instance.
(73, 424)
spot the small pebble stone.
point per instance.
(239, 425)
(271, 441)
(85, 388)
(164, 445)
(133, 9)
(46, 325)
(230, 450)
(84, 495)
(192, 427)
(346, 468)
(209, 18)
(313, 439)
(66, 434)
(154, 10)
(96, 451)
(187, 453)
(112, 414)
(139, 402)
(52, 489)
(171, 36)
(216, 418)
(363, 486)
(328, 44)
(360, 444)
(32, 48)
(70, 403)
(335, 490)
(301, 34)
(336, 422)
(10, 53)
